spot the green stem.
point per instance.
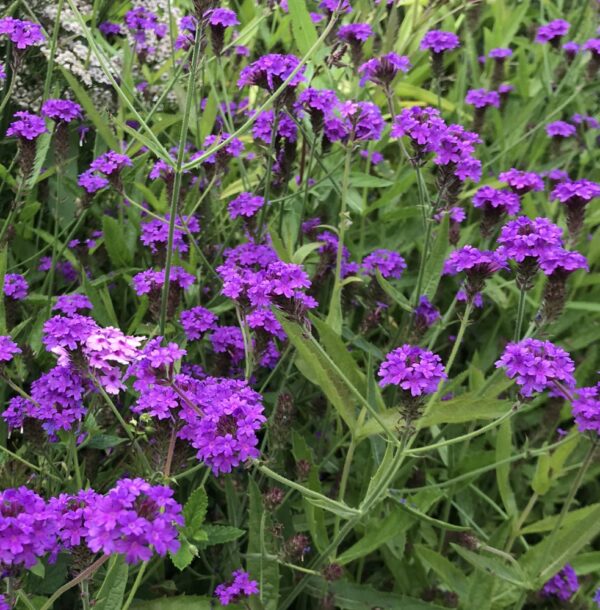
(136, 583)
(518, 526)
(459, 337)
(423, 261)
(520, 314)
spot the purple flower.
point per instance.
(586, 409)
(331, 6)
(504, 89)
(563, 585)
(245, 204)
(233, 148)
(70, 304)
(559, 260)
(61, 110)
(523, 237)
(28, 528)
(240, 586)
(318, 103)
(593, 46)
(355, 32)
(382, 70)
(92, 182)
(438, 41)
(537, 365)
(425, 313)
(476, 262)
(155, 233)
(504, 201)
(522, 182)
(571, 48)
(110, 163)
(500, 53)
(271, 71)
(560, 129)
(27, 126)
(8, 348)
(223, 427)
(107, 28)
(228, 340)
(15, 286)
(363, 119)
(69, 511)
(222, 17)
(22, 33)
(389, 263)
(134, 519)
(421, 125)
(148, 280)
(558, 175)
(2, 77)
(553, 31)
(482, 98)
(196, 321)
(413, 369)
(575, 192)
(263, 127)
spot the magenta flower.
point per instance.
(571, 48)
(593, 46)
(61, 110)
(560, 261)
(438, 41)
(27, 126)
(552, 32)
(241, 586)
(537, 366)
(22, 33)
(8, 348)
(155, 233)
(149, 280)
(70, 304)
(382, 70)
(586, 409)
(107, 28)
(413, 369)
(562, 585)
(522, 182)
(425, 313)
(110, 163)
(575, 192)
(389, 263)
(560, 129)
(331, 6)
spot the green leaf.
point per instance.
(493, 565)
(541, 479)
(115, 242)
(547, 523)
(42, 144)
(450, 575)
(110, 596)
(180, 602)
(38, 569)
(318, 370)
(194, 511)
(103, 441)
(435, 264)
(220, 534)
(209, 114)
(360, 180)
(185, 555)
(504, 449)
(305, 33)
(431, 520)
(394, 294)
(91, 112)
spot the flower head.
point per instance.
(8, 348)
(482, 98)
(560, 129)
(562, 585)
(570, 192)
(389, 263)
(355, 32)
(522, 182)
(382, 70)
(537, 365)
(196, 321)
(586, 409)
(271, 71)
(15, 286)
(240, 586)
(499, 199)
(559, 260)
(245, 204)
(413, 369)
(61, 110)
(222, 17)
(553, 31)
(155, 233)
(91, 182)
(70, 304)
(110, 163)
(425, 313)
(438, 41)
(22, 33)
(500, 53)
(593, 46)
(26, 126)
(523, 237)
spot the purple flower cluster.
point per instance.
(525, 238)
(560, 129)
(558, 260)
(571, 192)
(500, 53)
(263, 127)
(22, 33)
(110, 163)
(70, 304)
(552, 32)
(382, 70)
(389, 263)
(522, 182)
(197, 321)
(222, 18)
(537, 366)
(563, 585)
(412, 368)
(245, 204)
(155, 233)
(438, 41)
(482, 98)
(425, 313)
(63, 111)
(27, 126)
(355, 32)
(271, 71)
(240, 586)
(15, 286)
(505, 202)
(482, 263)
(8, 348)
(147, 281)
(586, 409)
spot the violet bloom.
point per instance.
(70, 304)
(575, 196)
(110, 163)
(2, 72)
(15, 286)
(414, 369)
(586, 409)
(364, 120)
(317, 103)
(389, 263)
(355, 33)
(522, 182)
(28, 528)
(382, 70)
(91, 182)
(219, 19)
(552, 32)
(495, 203)
(263, 127)
(482, 98)
(225, 431)
(69, 511)
(187, 28)
(562, 585)
(108, 28)
(438, 41)
(228, 340)
(425, 314)
(571, 49)
(134, 519)
(500, 54)
(478, 265)
(220, 158)
(271, 71)
(8, 348)
(560, 129)
(63, 111)
(421, 125)
(22, 33)
(155, 233)
(27, 126)
(245, 204)
(147, 281)
(241, 586)
(331, 6)
(196, 321)
(537, 366)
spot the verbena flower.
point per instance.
(586, 409)
(552, 32)
(500, 53)
(355, 32)
(228, 340)
(155, 233)
(263, 127)
(61, 110)
(26, 126)
(560, 129)
(506, 202)
(389, 263)
(425, 313)
(482, 98)
(187, 29)
(197, 321)
(331, 6)
(562, 585)
(560, 260)
(15, 286)
(245, 204)
(241, 586)
(382, 70)
(478, 265)
(27, 527)
(134, 519)
(575, 195)
(222, 17)
(8, 348)
(22, 33)
(110, 163)
(271, 71)
(522, 182)
(438, 41)
(146, 281)
(523, 237)
(362, 119)
(70, 304)
(108, 28)
(69, 512)
(91, 182)
(593, 46)
(413, 369)
(537, 366)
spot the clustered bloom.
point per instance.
(552, 32)
(382, 70)
(537, 366)
(147, 281)
(482, 98)
(586, 409)
(245, 204)
(522, 182)
(426, 314)
(563, 585)
(413, 369)
(109, 164)
(70, 304)
(500, 53)
(438, 41)
(15, 286)
(525, 238)
(155, 233)
(478, 265)
(196, 321)
(560, 129)
(27, 126)
(22, 33)
(240, 586)
(389, 263)
(504, 201)
(134, 519)
(355, 32)
(575, 195)
(8, 348)
(271, 71)
(61, 110)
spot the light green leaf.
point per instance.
(220, 534)
(305, 33)
(450, 575)
(185, 555)
(504, 449)
(194, 511)
(110, 596)
(115, 242)
(394, 294)
(493, 565)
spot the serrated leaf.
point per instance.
(194, 511)
(185, 555)
(305, 33)
(115, 242)
(110, 595)
(221, 534)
